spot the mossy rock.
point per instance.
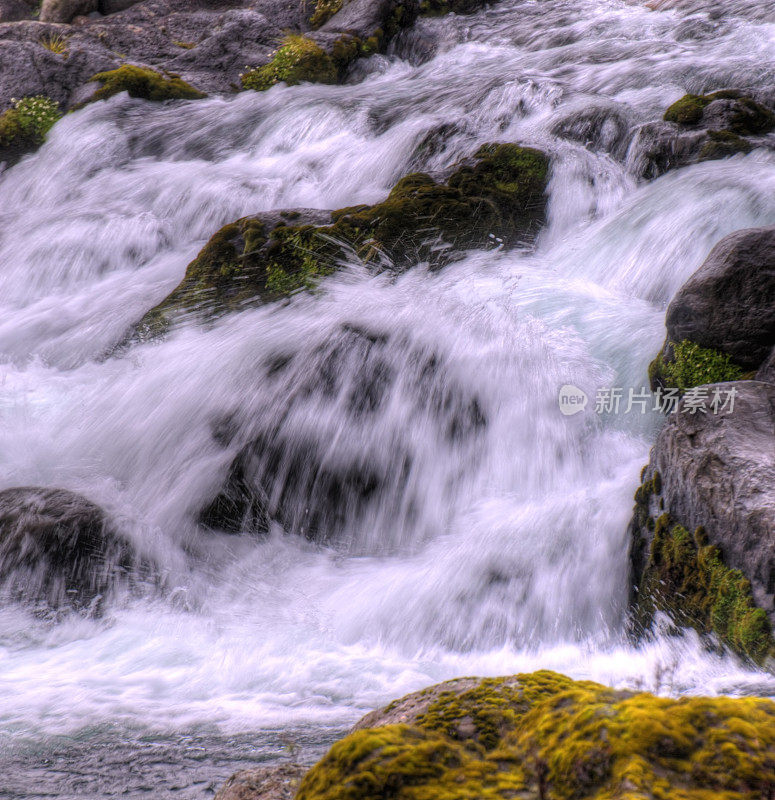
(687, 578)
(543, 735)
(323, 11)
(685, 364)
(24, 126)
(299, 59)
(746, 118)
(144, 84)
(497, 198)
(723, 144)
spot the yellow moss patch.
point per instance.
(145, 84)
(546, 736)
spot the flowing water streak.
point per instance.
(500, 551)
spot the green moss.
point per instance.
(144, 84)
(749, 117)
(723, 144)
(27, 122)
(688, 110)
(299, 59)
(324, 10)
(687, 578)
(552, 738)
(688, 364)
(495, 198)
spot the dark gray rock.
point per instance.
(600, 128)
(729, 303)
(114, 6)
(14, 10)
(279, 782)
(718, 471)
(59, 549)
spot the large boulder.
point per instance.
(702, 128)
(703, 531)
(721, 322)
(59, 549)
(728, 304)
(543, 735)
(496, 198)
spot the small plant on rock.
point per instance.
(56, 43)
(28, 121)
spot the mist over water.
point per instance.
(499, 549)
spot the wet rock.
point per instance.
(279, 782)
(728, 304)
(543, 735)
(59, 549)
(14, 10)
(497, 198)
(600, 128)
(702, 128)
(703, 530)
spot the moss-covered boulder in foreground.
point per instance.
(542, 736)
(145, 84)
(495, 198)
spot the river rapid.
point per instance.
(498, 552)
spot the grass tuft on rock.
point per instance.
(144, 84)
(546, 736)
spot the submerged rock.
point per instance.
(263, 783)
(703, 530)
(496, 198)
(59, 549)
(702, 128)
(324, 486)
(543, 735)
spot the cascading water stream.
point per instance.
(497, 542)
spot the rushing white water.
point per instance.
(499, 551)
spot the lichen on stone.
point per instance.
(145, 84)
(686, 364)
(543, 735)
(298, 59)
